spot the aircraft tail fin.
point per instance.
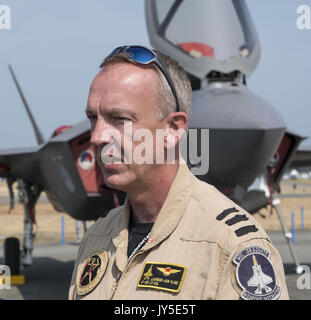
(36, 129)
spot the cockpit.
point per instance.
(204, 35)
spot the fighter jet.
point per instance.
(259, 279)
(217, 44)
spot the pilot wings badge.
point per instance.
(255, 274)
(167, 271)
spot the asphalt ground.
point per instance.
(49, 276)
(303, 251)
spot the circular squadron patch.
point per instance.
(255, 274)
(91, 271)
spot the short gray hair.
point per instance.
(178, 76)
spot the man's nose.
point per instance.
(100, 134)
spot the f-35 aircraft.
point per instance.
(218, 46)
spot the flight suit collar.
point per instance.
(120, 236)
(167, 220)
(173, 207)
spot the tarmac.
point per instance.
(49, 276)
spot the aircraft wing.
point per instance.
(253, 282)
(35, 164)
(266, 279)
(20, 163)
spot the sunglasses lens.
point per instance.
(115, 51)
(141, 55)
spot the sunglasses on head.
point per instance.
(146, 56)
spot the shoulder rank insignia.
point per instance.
(255, 274)
(235, 220)
(91, 271)
(168, 277)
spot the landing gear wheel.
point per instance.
(12, 254)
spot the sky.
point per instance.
(55, 48)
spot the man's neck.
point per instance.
(147, 203)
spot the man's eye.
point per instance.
(92, 117)
(122, 119)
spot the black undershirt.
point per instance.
(137, 231)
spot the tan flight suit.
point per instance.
(190, 252)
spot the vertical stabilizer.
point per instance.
(36, 129)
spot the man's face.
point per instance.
(123, 94)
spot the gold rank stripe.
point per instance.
(156, 275)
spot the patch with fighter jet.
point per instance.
(91, 272)
(255, 274)
(168, 277)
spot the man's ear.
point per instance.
(177, 123)
(178, 120)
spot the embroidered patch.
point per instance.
(91, 272)
(168, 277)
(255, 274)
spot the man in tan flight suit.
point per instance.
(190, 241)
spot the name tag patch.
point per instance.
(161, 276)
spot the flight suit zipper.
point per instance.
(120, 275)
(135, 252)
(115, 284)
